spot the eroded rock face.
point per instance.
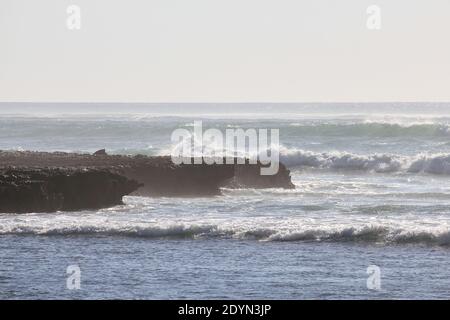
(61, 189)
(167, 179)
(249, 176)
(159, 176)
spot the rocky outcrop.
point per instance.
(61, 189)
(101, 152)
(248, 176)
(157, 176)
(160, 177)
(167, 179)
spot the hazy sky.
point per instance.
(224, 51)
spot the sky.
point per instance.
(224, 51)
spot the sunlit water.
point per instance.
(370, 191)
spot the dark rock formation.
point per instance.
(248, 176)
(167, 179)
(158, 175)
(101, 152)
(49, 190)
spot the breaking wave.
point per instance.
(368, 234)
(423, 163)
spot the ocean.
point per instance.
(372, 189)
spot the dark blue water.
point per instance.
(34, 267)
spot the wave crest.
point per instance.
(367, 234)
(434, 164)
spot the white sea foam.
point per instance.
(421, 163)
(252, 217)
(409, 207)
(365, 233)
